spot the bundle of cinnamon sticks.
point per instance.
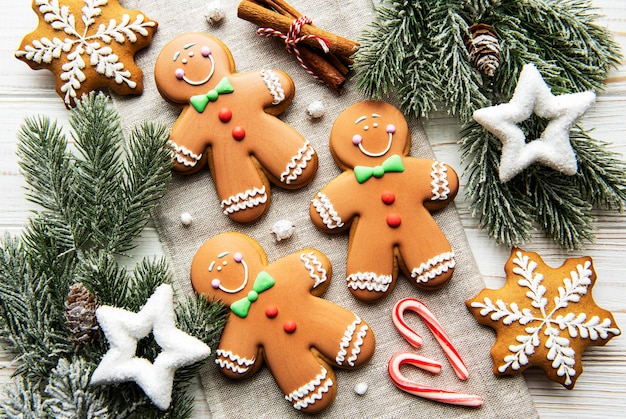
(331, 67)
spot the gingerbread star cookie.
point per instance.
(544, 317)
(87, 44)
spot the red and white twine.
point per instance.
(293, 37)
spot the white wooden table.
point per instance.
(600, 391)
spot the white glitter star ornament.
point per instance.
(123, 329)
(553, 148)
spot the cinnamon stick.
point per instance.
(261, 16)
(325, 70)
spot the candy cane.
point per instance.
(426, 392)
(414, 339)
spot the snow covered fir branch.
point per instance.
(93, 196)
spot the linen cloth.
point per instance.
(259, 396)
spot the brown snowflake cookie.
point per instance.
(386, 199)
(544, 317)
(229, 121)
(277, 317)
(88, 44)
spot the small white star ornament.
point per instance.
(123, 329)
(553, 148)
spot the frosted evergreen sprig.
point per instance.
(93, 200)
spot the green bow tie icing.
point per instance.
(263, 282)
(199, 102)
(392, 164)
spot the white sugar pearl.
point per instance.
(316, 109)
(215, 12)
(360, 388)
(186, 218)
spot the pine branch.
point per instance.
(499, 210)
(561, 211)
(28, 317)
(21, 399)
(600, 171)
(70, 395)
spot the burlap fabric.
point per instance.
(259, 396)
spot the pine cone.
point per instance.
(484, 48)
(80, 315)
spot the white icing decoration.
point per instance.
(312, 391)
(84, 42)
(549, 323)
(245, 275)
(434, 267)
(439, 174)
(315, 268)
(347, 339)
(298, 163)
(382, 153)
(204, 80)
(370, 281)
(233, 362)
(552, 148)
(183, 155)
(272, 82)
(327, 212)
(243, 200)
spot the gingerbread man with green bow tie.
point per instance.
(278, 318)
(229, 122)
(385, 198)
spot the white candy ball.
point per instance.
(215, 12)
(283, 229)
(186, 218)
(360, 388)
(316, 109)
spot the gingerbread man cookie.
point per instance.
(229, 121)
(277, 317)
(87, 44)
(386, 198)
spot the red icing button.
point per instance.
(225, 115)
(271, 312)
(393, 220)
(239, 133)
(388, 198)
(289, 326)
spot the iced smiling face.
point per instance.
(226, 270)
(367, 133)
(191, 64)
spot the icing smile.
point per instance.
(180, 72)
(357, 139)
(218, 265)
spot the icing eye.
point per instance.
(365, 128)
(375, 125)
(219, 268)
(215, 283)
(184, 61)
(391, 128)
(179, 73)
(191, 53)
(224, 263)
(205, 51)
(237, 257)
(357, 139)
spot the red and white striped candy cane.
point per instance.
(414, 339)
(430, 393)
